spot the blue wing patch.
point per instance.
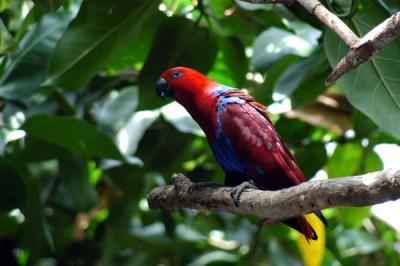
(221, 146)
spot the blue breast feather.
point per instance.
(221, 146)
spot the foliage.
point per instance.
(83, 136)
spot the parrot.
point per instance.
(240, 134)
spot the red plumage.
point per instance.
(240, 134)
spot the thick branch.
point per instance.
(363, 49)
(276, 206)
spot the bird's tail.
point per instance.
(300, 224)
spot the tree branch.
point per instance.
(330, 20)
(364, 48)
(276, 206)
(361, 50)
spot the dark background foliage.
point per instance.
(83, 136)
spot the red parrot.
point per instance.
(240, 134)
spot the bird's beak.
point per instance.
(163, 89)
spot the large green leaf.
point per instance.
(275, 43)
(116, 110)
(351, 242)
(263, 93)
(130, 180)
(345, 160)
(234, 58)
(293, 75)
(28, 65)
(12, 188)
(172, 47)
(36, 229)
(311, 158)
(372, 87)
(304, 81)
(134, 53)
(73, 134)
(180, 119)
(92, 38)
(75, 179)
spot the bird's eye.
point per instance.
(176, 74)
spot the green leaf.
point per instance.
(36, 230)
(128, 136)
(353, 217)
(280, 256)
(73, 134)
(172, 47)
(234, 58)
(12, 188)
(134, 53)
(94, 40)
(263, 93)
(293, 131)
(372, 87)
(6, 40)
(391, 6)
(130, 180)
(180, 119)
(293, 75)
(311, 158)
(115, 111)
(74, 175)
(274, 43)
(345, 161)
(48, 5)
(28, 65)
(215, 257)
(219, 7)
(304, 81)
(373, 162)
(172, 142)
(363, 125)
(3, 4)
(351, 242)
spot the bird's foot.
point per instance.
(200, 185)
(238, 190)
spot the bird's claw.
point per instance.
(238, 190)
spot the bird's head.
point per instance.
(181, 84)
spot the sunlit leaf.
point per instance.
(180, 118)
(345, 161)
(115, 111)
(275, 43)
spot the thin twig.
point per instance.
(276, 206)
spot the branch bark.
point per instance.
(276, 206)
(330, 20)
(365, 47)
(361, 50)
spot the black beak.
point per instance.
(163, 89)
